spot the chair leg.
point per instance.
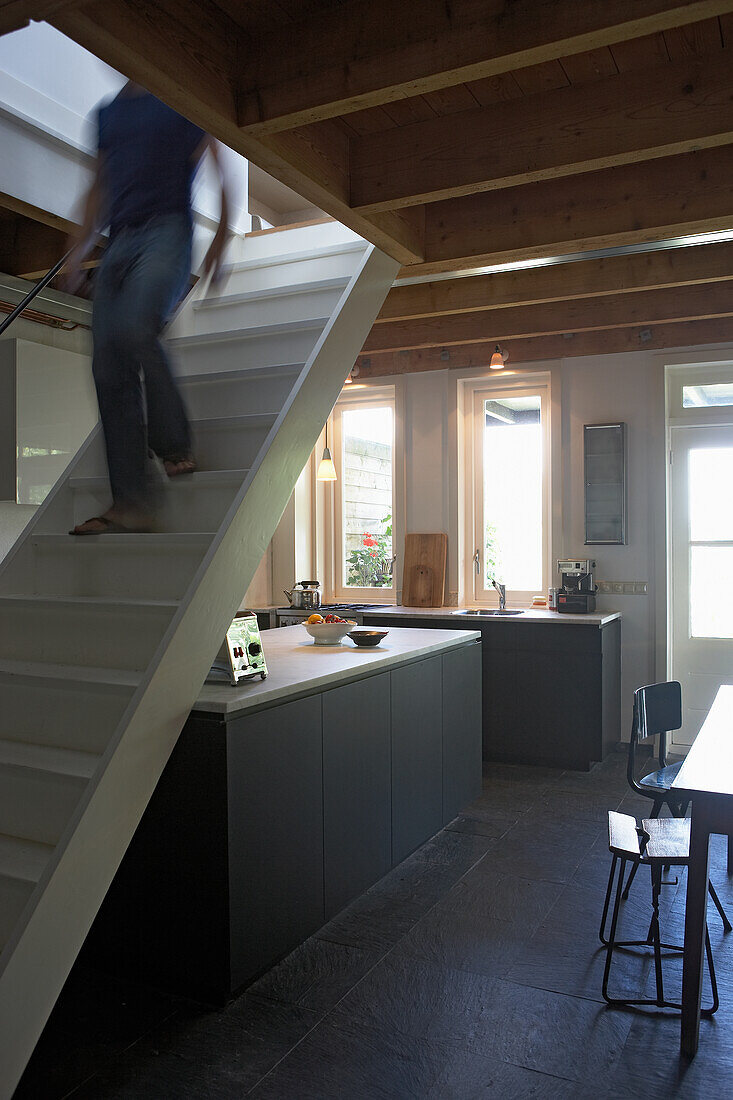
(612, 935)
(716, 901)
(711, 970)
(602, 929)
(730, 853)
(656, 938)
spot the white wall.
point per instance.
(13, 518)
(592, 390)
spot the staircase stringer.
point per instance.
(44, 945)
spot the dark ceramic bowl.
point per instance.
(367, 637)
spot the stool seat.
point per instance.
(662, 841)
(668, 840)
(661, 779)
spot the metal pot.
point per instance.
(311, 595)
(295, 597)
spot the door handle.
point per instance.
(477, 562)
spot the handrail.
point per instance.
(33, 291)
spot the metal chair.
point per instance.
(657, 711)
(660, 842)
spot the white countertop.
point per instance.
(529, 615)
(296, 666)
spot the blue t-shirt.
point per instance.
(148, 152)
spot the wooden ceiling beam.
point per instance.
(558, 282)
(361, 55)
(189, 63)
(622, 119)
(15, 14)
(654, 201)
(650, 307)
(542, 348)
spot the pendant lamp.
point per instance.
(326, 468)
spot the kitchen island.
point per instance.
(551, 682)
(284, 799)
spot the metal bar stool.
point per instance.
(660, 842)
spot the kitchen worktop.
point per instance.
(298, 667)
(529, 615)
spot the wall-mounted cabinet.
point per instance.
(604, 453)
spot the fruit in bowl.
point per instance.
(329, 633)
(316, 618)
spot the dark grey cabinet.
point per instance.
(461, 702)
(265, 825)
(275, 866)
(356, 788)
(417, 754)
(551, 691)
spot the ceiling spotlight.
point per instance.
(498, 359)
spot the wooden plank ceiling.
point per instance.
(460, 134)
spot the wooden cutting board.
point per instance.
(423, 571)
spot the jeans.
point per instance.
(143, 275)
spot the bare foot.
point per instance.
(179, 464)
(115, 521)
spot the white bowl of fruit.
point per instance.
(328, 629)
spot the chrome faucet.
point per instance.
(501, 589)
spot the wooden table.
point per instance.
(706, 777)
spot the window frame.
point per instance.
(476, 391)
(353, 398)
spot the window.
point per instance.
(508, 500)
(364, 494)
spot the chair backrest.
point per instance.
(657, 709)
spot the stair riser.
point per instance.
(265, 311)
(178, 509)
(69, 635)
(37, 805)
(256, 351)
(285, 275)
(66, 716)
(228, 448)
(14, 894)
(100, 571)
(237, 397)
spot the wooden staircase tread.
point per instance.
(241, 374)
(46, 758)
(245, 420)
(160, 540)
(289, 291)
(201, 479)
(342, 249)
(23, 859)
(278, 328)
(102, 603)
(79, 674)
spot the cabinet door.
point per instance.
(500, 689)
(559, 714)
(275, 834)
(417, 755)
(356, 788)
(461, 729)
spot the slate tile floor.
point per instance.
(471, 971)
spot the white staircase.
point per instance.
(105, 640)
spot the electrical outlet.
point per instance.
(640, 588)
(618, 588)
(629, 588)
(604, 588)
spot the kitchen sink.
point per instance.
(484, 611)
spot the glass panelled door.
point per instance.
(701, 568)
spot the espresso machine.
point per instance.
(577, 593)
